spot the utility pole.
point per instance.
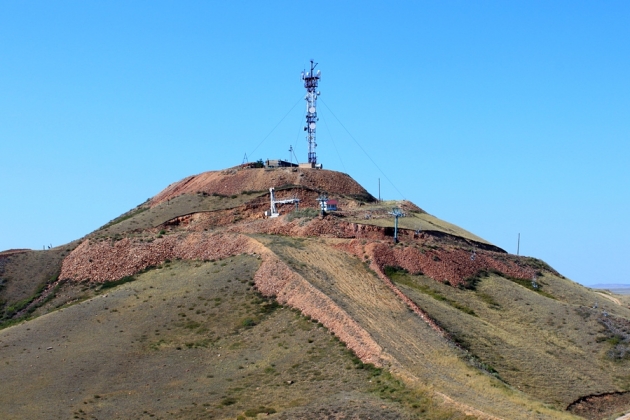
(518, 244)
(396, 213)
(379, 190)
(323, 199)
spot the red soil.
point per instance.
(237, 180)
(447, 264)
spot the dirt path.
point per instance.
(611, 298)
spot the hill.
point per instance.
(195, 305)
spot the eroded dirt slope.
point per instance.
(238, 180)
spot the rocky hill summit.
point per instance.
(244, 179)
(441, 321)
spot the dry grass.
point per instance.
(414, 220)
(193, 340)
(190, 340)
(25, 276)
(553, 349)
(415, 351)
(144, 217)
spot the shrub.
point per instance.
(228, 401)
(303, 213)
(114, 283)
(248, 323)
(253, 412)
(391, 270)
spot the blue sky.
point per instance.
(501, 117)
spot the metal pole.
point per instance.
(396, 230)
(518, 244)
(379, 190)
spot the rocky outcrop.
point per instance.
(445, 264)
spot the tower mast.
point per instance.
(311, 80)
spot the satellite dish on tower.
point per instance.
(312, 126)
(311, 110)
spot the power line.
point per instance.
(276, 126)
(334, 144)
(362, 149)
(300, 127)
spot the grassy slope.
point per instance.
(553, 349)
(144, 217)
(26, 274)
(189, 340)
(417, 351)
(414, 221)
(500, 334)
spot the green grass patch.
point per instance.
(114, 283)
(401, 276)
(124, 217)
(14, 308)
(248, 322)
(228, 401)
(309, 213)
(253, 412)
(526, 283)
(489, 300)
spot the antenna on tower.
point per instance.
(311, 80)
(396, 213)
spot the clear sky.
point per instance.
(502, 117)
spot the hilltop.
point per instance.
(195, 303)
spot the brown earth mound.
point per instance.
(239, 180)
(597, 407)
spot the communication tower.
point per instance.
(311, 80)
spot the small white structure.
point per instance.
(274, 210)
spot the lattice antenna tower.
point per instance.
(311, 80)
